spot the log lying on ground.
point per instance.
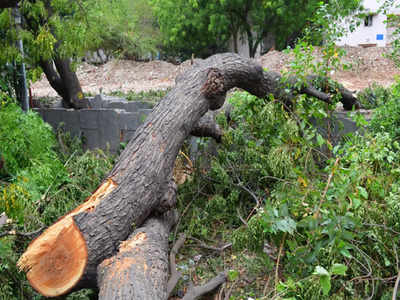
(66, 256)
(140, 269)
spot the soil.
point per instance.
(368, 65)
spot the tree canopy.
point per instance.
(62, 31)
(197, 24)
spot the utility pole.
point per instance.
(22, 84)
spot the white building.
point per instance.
(373, 30)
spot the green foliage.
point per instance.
(82, 172)
(126, 28)
(152, 96)
(191, 26)
(332, 230)
(374, 96)
(70, 28)
(385, 116)
(187, 28)
(26, 139)
(334, 210)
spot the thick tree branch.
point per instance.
(140, 269)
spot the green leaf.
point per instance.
(286, 225)
(346, 253)
(320, 140)
(363, 192)
(325, 282)
(339, 269)
(233, 275)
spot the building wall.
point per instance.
(378, 34)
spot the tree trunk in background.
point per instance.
(67, 255)
(71, 83)
(65, 82)
(55, 81)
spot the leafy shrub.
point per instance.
(336, 219)
(386, 117)
(37, 197)
(29, 158)
(25, 139)
(374, 96)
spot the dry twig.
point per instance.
(326, 188)
(175, 274)
(201, 244)
(195, 292)
(22, 234)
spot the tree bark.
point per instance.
(64, 81)
(73, 91)
(67, 255)
(55, 81)
(140, 269)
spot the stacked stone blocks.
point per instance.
(108, 122)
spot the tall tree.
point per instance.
(57, 32)
(193, 22)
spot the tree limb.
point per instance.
(195, 292)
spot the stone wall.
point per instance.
(109, 122)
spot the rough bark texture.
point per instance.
(55, 80)
(140, 182)
(140, 269)
(65, 82)
(207, 127)
(73, 91)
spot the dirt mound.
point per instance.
(366, 66)
(118, 75)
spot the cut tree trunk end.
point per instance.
(140, 184)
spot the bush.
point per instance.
(386, 117)
(374, 96)
(336, 219)
(29, 160)
(40, 185)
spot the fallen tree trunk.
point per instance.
(140, 269)
(67, 255)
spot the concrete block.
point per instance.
(108, 100)
(126, 135)
(340, 125)
(88, 118)
(116, 104)
(91, 139)
(57, 104)
(71, 122)
(53, 117)
(134, 106)
(129, 121)
(146, 105)
(109, 131)
(95, 102)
